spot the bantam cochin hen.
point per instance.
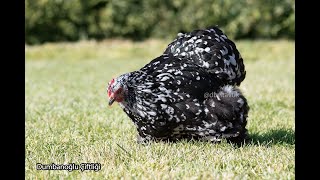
(189, 92)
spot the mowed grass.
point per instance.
(68, 119)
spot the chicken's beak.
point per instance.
(111, 100)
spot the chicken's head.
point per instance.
(117, 89)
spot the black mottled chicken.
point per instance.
(188, 92)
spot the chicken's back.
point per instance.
(212, 50)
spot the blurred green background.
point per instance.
(72, 20)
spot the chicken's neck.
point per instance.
(129, 94)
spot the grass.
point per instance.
(68, 119)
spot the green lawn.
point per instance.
(68, 119)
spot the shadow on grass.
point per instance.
(272, 137)
(276, 136)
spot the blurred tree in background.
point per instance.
(71, 20)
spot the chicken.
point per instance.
(177, 96)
